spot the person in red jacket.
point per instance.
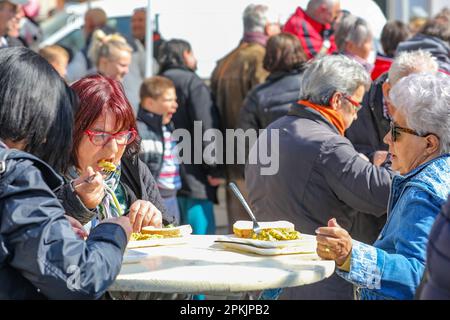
(313, 26)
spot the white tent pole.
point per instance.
(149, 42)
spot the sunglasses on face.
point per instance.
(396, 130)
(100, 138)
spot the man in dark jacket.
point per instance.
(196, 112)
(367, 132)
(320, 174)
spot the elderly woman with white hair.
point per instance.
(419, 142)
(354, 39)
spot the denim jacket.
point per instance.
(393, 267)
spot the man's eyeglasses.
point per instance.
(356, 105)
(395, 131)
(100, 138)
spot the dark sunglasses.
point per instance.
(395, 131)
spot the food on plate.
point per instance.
(107, 166)
(271, 231)
(169, 231)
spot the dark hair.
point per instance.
(438, 27)
(36, 106)
(155, 87)
(284, 53)
(392, 34)
(98, 94)
(171, 54)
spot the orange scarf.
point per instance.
(331, 115)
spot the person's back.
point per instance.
(434, 37)
(41, 256)
(313, 27)
(267, 102)
(437, 282)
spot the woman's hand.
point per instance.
(144, 213)
(89, 187)
(333, 242)
(77, 227)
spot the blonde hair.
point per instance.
(103, 45)
(54, 53)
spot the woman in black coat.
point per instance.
(271, 100)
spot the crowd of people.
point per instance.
(363, 149)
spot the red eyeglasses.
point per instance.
(356, 105)
(100, 138)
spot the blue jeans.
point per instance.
(199, 213)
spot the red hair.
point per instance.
(96, 95)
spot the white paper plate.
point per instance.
(157, 242)
(306, 245)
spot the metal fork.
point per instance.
(256, 227)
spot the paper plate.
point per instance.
(157, 242)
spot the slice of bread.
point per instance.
(179, 231)
(244, 228)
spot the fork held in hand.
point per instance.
(256, 228)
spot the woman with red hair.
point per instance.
(105, 132)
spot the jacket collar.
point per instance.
(421, 168)
(149, 118)
(302, 111)
(274, 76)
(152, 119)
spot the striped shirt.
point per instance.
(169, 177)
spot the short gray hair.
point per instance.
(353, 29)
(323, 77)
(255, 18)
(408, 62)
(424, 99)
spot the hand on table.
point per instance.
(333, 242)
(144, 213)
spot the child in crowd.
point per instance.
(158, 103)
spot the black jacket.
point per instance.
(437, 283)
(152, 144)
(138, 182)
(270, 100)
(40, 255)
(437, 47)
(195, 103)
(367, 132)
(320, 176)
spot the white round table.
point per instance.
(202, 266)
